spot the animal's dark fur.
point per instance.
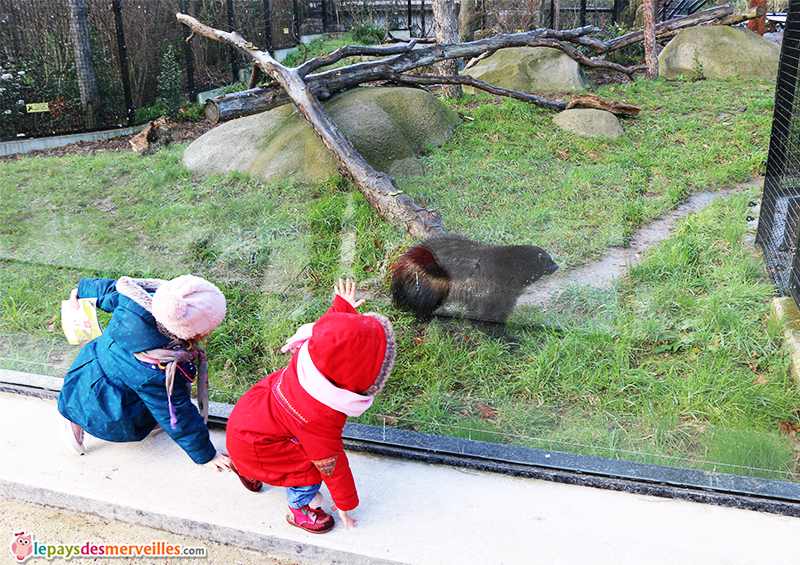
(485, 279)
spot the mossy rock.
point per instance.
(530, 69)
(389, 127)
(589, 122)
(719, 52)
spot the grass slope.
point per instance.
(676, 364)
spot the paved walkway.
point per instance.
(410, 512)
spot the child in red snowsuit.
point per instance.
(287, 429)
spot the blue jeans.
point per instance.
(297, 497)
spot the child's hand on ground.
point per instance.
(347, 519)
(73, 298)
(221, 462)
(347, 290)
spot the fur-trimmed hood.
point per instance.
(141, 292)
(186, 307)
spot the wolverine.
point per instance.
(483, 281)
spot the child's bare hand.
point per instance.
(347, 519)
(347, 290)
(221, 462)
(73, 298)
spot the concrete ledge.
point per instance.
(784, 311)
(40, 143)
(410, 512)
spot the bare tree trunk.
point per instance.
(81, 48)
(557, 14)
(444, 27)
(650, 56)
(466, 21)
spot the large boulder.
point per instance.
(718, 52)
(589, 122)
(530, 69)
(389, 127)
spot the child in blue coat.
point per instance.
(138, 374)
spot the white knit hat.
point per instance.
(189, 307)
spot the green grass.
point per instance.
(676, 364)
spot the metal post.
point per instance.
(267, 26)
(324, 16)
(583, 13)
(123, 62)
(409, 17)
(231, 50)
(296, 20)
(616, 11)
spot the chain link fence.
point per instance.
(84, 65)
(779, 219)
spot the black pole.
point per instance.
(616, 11)
(583, 13)
(409, 17)
(324, 17)
(123, 62)
(188, 55)
(231, 50)
(296, 20)
(422, 18)
(267, 26)
(552, 14)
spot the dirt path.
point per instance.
(619, 260)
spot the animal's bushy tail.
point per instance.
(419, 284)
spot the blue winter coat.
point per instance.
(113, 396)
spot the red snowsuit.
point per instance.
(287, 429)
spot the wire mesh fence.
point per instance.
(83, 65)
(780, 208)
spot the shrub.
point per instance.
(13, 91)
(168, 84)
(367, 33)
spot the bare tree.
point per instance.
(444, 27)
(466, 21)
(649, 8)
(81, 48)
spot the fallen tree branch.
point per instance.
(751, 14)
(353, 51)
(733, 19)
(405, 57)
(674, 24)
(324, 84)
(377, 188)
(469, 81)
(593, 101)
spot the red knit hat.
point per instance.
(355, 352)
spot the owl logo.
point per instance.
(22, 546)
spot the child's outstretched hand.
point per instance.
(347, 290)
(221, 462)
(347, 520)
